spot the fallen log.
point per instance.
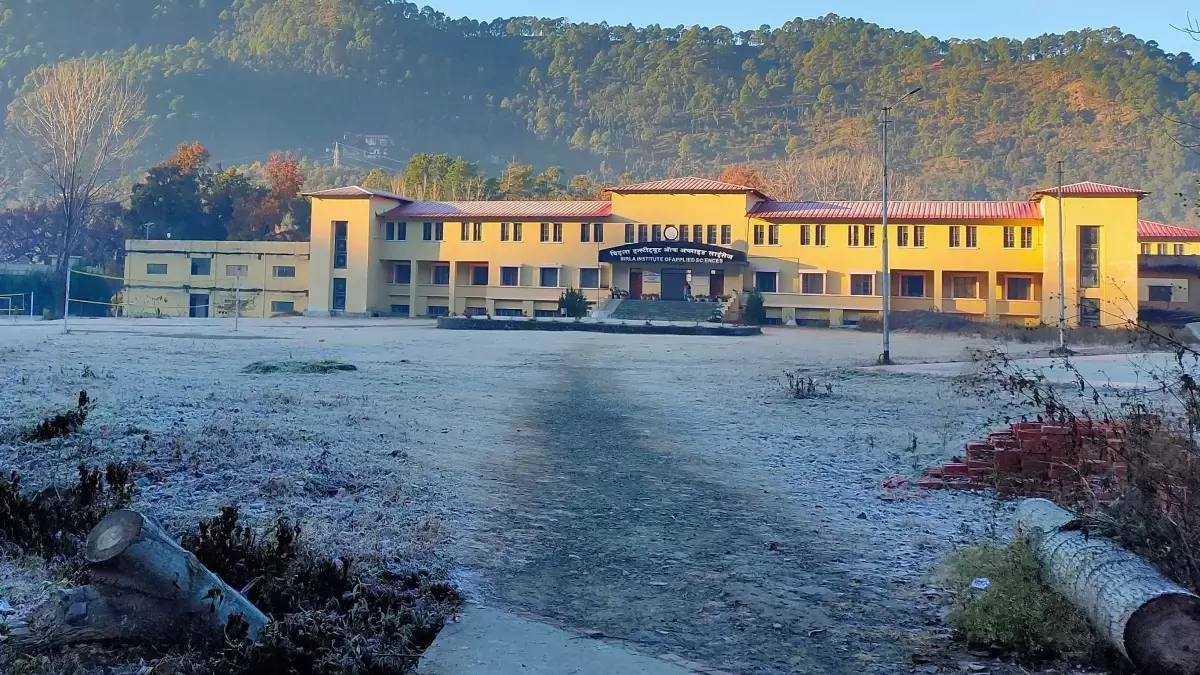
(1155, 623)
(144, 587)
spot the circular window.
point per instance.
(671, 233)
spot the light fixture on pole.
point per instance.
(1062, 272)
(886, 291)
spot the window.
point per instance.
(806, 235)
(283, 306)
(437, 310)
(1026, 237)
(684, 232)
(156, 268)
(629, 236)
(339, 244)
(1018, 288)
(1010, 237)
(1178, 249)
(964, 287)
(516, 231)
(812, 283)
(912, 285)
(1145, 249)
(902, 235)
(479, 275)
(389, 231)
(820, 232)
(1159, 293)
(400, 310)
(401, 273)
(1089, 256)
(504, 232)
(283, 272)
(852, 235)
(558, 233)
(766, 282)
(432, 232)
(548, 277)
(862, 284)
(510, 276)
(236, 270)
(1162, 249)
(955, 236)
(466, 231)
(339, 295)
(773, 234)
(656, 232)
(545, 232)
(698, 234)
(440, 275)
(919, 236)
(585, 232)
(598, 232)
(643, 232)
(589, 277)
(201, 267)
(727, 235)
(758, 235)
(972, 236)
(712, 234)
(868, 235)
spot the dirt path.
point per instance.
(630, 539)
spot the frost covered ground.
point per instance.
(659, 489)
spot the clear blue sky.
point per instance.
(1147, 19)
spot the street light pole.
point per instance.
(1062, 273)
(886, 291)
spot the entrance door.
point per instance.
(198, 306)
(1089, 312)
(635, 284)
(674, 283)
(716, 283)
(339, 295)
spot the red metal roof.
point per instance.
(689, 184)
(923, 211)
(1090, 189)
(1148, 229)
(498, 210)
(354, 191)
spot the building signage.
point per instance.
(672, 253)
(651, 277)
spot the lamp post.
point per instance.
(886, 357)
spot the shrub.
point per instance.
(1016, 612)
(573, 303)
(799, 386)
(754, 312)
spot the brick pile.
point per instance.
(1030, 459)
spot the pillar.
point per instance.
(453, 300)
(413, 266)
(938, 291)
(835, 317)
(991, 296)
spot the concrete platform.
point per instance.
(491, 642)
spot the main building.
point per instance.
(815, 262)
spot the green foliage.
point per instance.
(1017, 612)
(754, 312)
(48, 293)
(573, 303)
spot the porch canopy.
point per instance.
(672, 253)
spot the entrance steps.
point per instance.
(665, 310)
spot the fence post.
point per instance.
(237, 301)
(31, 304)
(67, 300)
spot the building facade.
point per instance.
(816, 263)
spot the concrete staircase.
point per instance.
(665, 310)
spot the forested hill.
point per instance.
(248, 76)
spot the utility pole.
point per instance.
(147, 226)
(886, 291)
(337, 155)
(67, 297)
(1062, 273)
(237, 300)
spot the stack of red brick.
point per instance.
(1030, 459)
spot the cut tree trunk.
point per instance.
(1152, 621)
(145, 587)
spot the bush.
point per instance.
(573, 303)
(754, 312)
(1016, 612)
(799, 386)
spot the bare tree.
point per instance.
(836, 177)
(80, 119)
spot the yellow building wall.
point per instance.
(146, 294)
(1117, 219)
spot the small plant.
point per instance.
(63, 424)
(1001, 602)
(297, 367)
(754, 312)
(800, 386)
(573, 303)
(87, 372)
